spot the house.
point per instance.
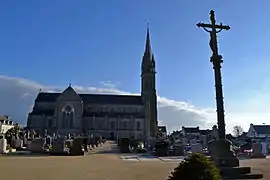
(163, 131)
(258, 131)
(5, 124)
(195, 133)
(191, 131)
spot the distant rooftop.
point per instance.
(262, 129)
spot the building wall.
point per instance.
(251, 132)
(109, 125)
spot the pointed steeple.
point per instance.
(148, 62)
(147, 43)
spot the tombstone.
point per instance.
(196, 148)
(150, 143)
(85, 144)
(3, 145)
(91, 142)
(124, 145)
(193, 141)
(69, 143)
(28, 145)
(264, 148)
(178, 150)
(12, 142)
(161, 148)
(37, 145)
(58, 147)
(257, 151)
(48, 140)
(76, 148)
(18, 144)
(24, 141)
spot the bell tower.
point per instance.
(148, 89)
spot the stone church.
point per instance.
(112, 116)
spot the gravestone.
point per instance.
(196, 148)
(178, 150)
(28, 145)
(3, 146)
(24, 141)
(18, 143)
(257, 151)
(264, 148)
(12, 141)
(37, 145)
(76, 148)
(150, 143)
(161, 148)
(49, 140)
(58, 147)
(91, 142)
(193, 141)
(69, 143)
(124, 145)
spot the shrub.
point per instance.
(195, 167)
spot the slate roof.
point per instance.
(262, 129)
(205, 131)
(95, 98)
(37, 111)
(191, 129)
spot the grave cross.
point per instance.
(216, 59)
(213, 32)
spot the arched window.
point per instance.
(67, 117)
(71, 119)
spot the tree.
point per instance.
(237, 130)
(195, 167)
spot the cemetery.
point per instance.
(17, 141)
(211, 149)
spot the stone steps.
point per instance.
(239, 173)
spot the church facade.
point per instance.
(112, 116)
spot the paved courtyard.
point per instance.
(100, 164)
(151, 158)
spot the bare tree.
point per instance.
(237, 130)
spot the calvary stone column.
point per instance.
(220, 149)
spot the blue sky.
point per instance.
(89, 41)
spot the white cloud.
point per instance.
(108, 84)
(17, 96)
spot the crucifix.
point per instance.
(216, 59)
(215, 29)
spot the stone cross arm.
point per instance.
(203, 25)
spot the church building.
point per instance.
(112, 116)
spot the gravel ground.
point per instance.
(97, 165)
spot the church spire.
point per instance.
(148, 62)
(147, 43)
